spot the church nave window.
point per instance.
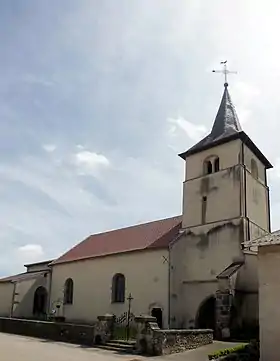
(118, 288)
(68, 291)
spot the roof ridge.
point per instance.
(135, 225)
(153, 234)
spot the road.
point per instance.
(14, 347)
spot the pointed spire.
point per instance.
(226, 121)
(226, 128)
(226, 124)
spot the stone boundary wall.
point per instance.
(150, 338)
(154, 341)
(64, 332)
(172, 341)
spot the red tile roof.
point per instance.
(157, 234)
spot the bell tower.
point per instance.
(226, 178)
(225, 203)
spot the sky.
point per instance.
(97, 98)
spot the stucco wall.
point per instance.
(246, 287)
(248, 155)
(247, 278)
(38, 267)
(146, 279)
(256, 232)
(221, 189)
(196, 259)
(24, 295)
(6, 295)
(228, 153)
(257, 202)
(269, 295)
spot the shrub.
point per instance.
(226, 352)
(245, 352)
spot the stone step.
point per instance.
(126, 342)
(110, 348)
(121, 345)
(117, 347)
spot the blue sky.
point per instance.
(97, 98)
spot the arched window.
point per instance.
(118, 288)
(216, 164)
(211, 164)
(254, 168)
(208, 167)
(68, 291)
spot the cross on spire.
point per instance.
(224, 71)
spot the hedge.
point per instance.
(227, 351)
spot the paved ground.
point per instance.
(13, 347)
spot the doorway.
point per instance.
(40, 301)
(157, 313)
(206, 315)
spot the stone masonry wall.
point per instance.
(173, 341)
(154, 341)
(64, 332)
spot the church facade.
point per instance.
(190, 271)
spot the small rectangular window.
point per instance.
(203, 209)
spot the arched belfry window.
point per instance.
(216, 164)
(118, 288)
(211, 165)
(254, 168)
(68, 291)
(208, 167)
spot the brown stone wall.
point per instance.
(173, 341)
(64, 332)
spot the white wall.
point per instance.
(38, 267)
(6, 295)
(24, 297)
(229, 154)
(196, 259)
(269, 296)
(146, 279)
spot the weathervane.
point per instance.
(225, 71)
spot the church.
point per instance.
(189, 271)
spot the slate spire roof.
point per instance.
(226, 122)
(226, 127)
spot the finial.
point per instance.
(225, 71)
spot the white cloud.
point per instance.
(245, 96)
(30, 253)
(35, 79)
(49, 148)
(90, 162)
(193, 131)
(245, 92)
(275, 172)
